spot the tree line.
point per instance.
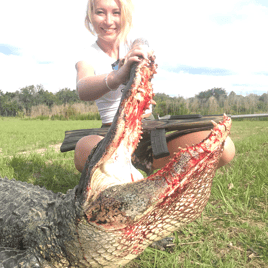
(211, 101)
(23, 100)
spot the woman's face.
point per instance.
(106, 19)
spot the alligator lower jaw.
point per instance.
(171, 197)
(115, 165)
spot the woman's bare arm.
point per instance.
(91, 87)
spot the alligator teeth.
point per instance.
(214, 123)
(141, 90)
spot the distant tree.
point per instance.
(1, 100)
(212, 105)
(264, 97)
(169, 105)
(160, 108)
(27, 97)
(236, 103)
(194, 105)
(45, 97)
(161, 97)
(9, 106)
(263, 102)
(232, 95)
(66, 95)
(251, 103)
(215, 92)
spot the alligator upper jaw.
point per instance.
(111, 162)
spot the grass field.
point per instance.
(233, 229)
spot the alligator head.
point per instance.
(123, 212)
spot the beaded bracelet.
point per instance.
(105, 79)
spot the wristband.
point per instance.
(105, 79)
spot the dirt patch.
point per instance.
(55, 147)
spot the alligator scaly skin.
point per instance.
(31, 231)
(114, 213)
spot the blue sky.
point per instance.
(198, 44)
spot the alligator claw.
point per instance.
(163, 243)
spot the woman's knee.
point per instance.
(180, 142)
(191, 139)
(83, 148)
(228, 152)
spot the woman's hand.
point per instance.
(136, 54)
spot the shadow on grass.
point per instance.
(54, 175)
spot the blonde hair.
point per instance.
(126, 18)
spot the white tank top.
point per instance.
(102, 64)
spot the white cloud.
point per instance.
(188, 85)
(226, 35)
(192, 35)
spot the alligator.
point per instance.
(114, 213)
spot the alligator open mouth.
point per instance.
(131, 211)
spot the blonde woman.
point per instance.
(111, 21)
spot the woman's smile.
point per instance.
(106, 19)
(109, 30)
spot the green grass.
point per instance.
(27, 152)
(233, 229)
(19, 135)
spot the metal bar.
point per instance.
(248, 115)
(175, 117)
